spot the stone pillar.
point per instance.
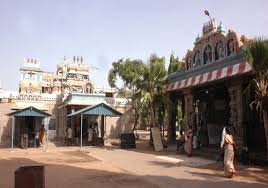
(12, 132)
(64, 120)
(61, 123)
(59, 127)
(102, 126)
(172, 116)
(188, 108)
(236, 111)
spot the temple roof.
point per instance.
(227, 68)
(99, 109)
(29, 111)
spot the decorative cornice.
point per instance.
(184, 74)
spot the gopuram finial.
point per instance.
(81, 59)
(77, 59)
(64, 59)
(74, 59)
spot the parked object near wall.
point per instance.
(30, 177)
(128, 141)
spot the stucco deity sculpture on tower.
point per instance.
(208, 52)
(231, 47)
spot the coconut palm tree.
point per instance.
(153, 82)
(257, 56)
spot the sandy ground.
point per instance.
(169, 170)
(68, 168)
(96, 167)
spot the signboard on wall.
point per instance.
(156, 134)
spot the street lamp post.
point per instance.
(207, 13)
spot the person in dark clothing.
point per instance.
(181, 141)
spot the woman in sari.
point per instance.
(229, 145)
(42, 135)
(188, 141)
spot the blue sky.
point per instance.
(102, 31)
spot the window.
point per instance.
(109, 94)
(71, 76)
(52, 123)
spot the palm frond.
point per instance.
(256, 54)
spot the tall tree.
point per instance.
(144, 84)
(257, 55)
(153, 83)
(174, 64)
(130, 72)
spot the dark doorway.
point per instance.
(30, 126)
(211, 113)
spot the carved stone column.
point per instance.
(236, 111)
(189, 110)
(172, 116)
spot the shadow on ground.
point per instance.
(75, 175)
(251, 173)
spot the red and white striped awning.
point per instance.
(229, 71)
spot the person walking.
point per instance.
(36, 142)
(188, 146)
(42, 136)
(223, 134)
(221, 153)
(90, 135)
(181, 141)
(69, 136)
(24, 138)
(229, 144)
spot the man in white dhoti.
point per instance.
(90, 135)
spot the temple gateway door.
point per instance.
(211, 114)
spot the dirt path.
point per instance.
(68, 168)
(100, 167)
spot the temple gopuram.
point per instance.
(211, 88)
(69, 77)
(48, 98)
